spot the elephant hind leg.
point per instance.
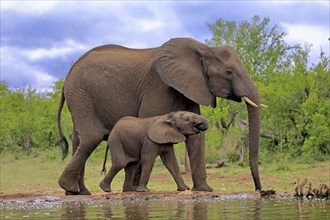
(90, 130)
(119, 161)
(106, 182)
(81, 183)
(73, 174)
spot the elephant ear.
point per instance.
(162, 131)
(179, 65)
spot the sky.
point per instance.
(40, 40)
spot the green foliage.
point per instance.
(28, 118)
(283, 167)
(297, 93)
(261, 48)
(299, 111)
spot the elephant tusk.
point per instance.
(263, 105)
(249, 101)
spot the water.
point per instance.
(215, 208)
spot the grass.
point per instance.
(38, 173)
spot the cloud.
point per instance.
(146, 25)
(301, 33)
(28, 7)
(63, 51)
(41, 39)
(30, 66)
(143, 24)
(16, 72)
(316, 35)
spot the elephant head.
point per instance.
(175, 126)
(202, 73)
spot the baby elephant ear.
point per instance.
(161, 131)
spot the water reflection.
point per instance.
(74, 212)
(193, 210)
(257, 209)
(304, 206)
(185, 209)
(157, 210)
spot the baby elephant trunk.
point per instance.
(202, 125)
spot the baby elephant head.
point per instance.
(175, 126)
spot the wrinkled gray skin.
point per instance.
(143, 139)
(111, 81)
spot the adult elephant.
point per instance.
(111, 81)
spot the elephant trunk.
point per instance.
(254, 133)
(202, 125)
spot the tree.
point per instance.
(28, 118)
(298, 96)
(262, 47)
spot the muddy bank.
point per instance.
(28, 201)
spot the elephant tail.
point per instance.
(62, 139)
(104, 169)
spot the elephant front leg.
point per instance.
(171, 164)
(130, 172)
(145, 176)
(147, 163)
(196, 150)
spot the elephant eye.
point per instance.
(229, 72)
(187, 118)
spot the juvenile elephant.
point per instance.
(111, 81)
(143, 139)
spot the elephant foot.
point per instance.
(85, 192)
(68, 186)
(183, 188)
(67, 193)
(204, 187)
(105, 186)
(142, 189)
(129, 189)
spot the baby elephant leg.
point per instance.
(119, 161)
(169, 160)
(147, 162)
(106, 182)
(130, 171)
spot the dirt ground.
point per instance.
(33, 192)
(127, 196)
(51, 192)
